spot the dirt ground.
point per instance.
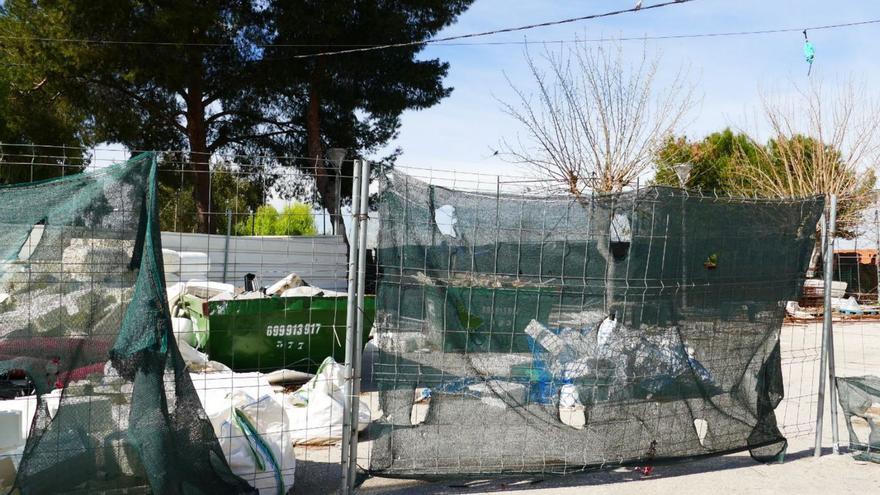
(857, 352)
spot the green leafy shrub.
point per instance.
(295, 219)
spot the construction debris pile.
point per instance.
(812, 303)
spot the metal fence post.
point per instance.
(350, 340)
(827, 345)
(363, 216)
(877, 245)
(684, 301)
(828, 330)
(226, 244)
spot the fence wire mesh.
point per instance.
(269, 429)
(544, 334)
(857, 337)
(856, 333)
(85, 321)
(465, 262)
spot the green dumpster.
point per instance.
(271, 333)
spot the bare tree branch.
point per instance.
(823, 142)
(594, 123)
(594, 119)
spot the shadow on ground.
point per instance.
(388, 486)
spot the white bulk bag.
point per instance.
(316, 409)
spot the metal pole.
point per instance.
(338, 223)
(346, 483)
(323, 211)
(856, 235)
(683, 172)
(359, 330)
(683, 249)
(826, 321)
(226, 247)
(828, 328)
(877, 246)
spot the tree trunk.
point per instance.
(325, 178)
(602, 231)
(197, 134)
(600, 228)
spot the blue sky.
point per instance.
(728, 72)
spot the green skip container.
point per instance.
(271, 333)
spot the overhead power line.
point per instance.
(452, 40)
(645, 37)
(356, 48)
(494, 32)
(673, 36)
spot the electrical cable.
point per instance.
(445, 41)
(357, 49)
(673, 36)
(493, 32)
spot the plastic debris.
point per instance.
(649, 456)
(288, 282)
(848, 306)
(793, 309)
(568, 396)
(423, 395)
(307, 291)
(809, 52)
(663, 364)
(606, 329)
(198, 361)
(571, 411)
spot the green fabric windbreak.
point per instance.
(85, 317)
(524, 334)
(860, 404)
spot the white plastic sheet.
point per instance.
(198, 361)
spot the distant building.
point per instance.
(858, 268)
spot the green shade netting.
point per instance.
(557, 335)
(85, 317)
(860, 403)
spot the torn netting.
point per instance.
(548, 334)
(84, 316)
(860, 402)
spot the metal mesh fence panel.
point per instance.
(857, 345)
(801, 348)
(265, 365)
(859, 399)
(522, 334)
(857, 368)
(84, 316)
(856, 339)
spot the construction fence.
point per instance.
(558, 334)
(458, 324)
